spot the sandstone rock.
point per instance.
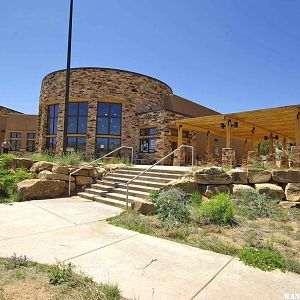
(259, 176)
(61, 170)
(111, 167)
(73, 187)
(286, 176)
(54, 176)
(21, 163)
(272, 190)
(87, 172)
(239, 189)
(188, 185)
(238, 176)
(212, 175)
(83, 180)
(289, 204)
(99, 172)
(41, 189)
(292, 191)
(212, 190)
(41, 166)
(144, 207)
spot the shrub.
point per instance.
(219, 210)
(196, 198)
(171, 206)
(153, 195)
(266, 260)
(253, 205)
(6, 160)
(9, 180)
(71, 158)
(60, 274)
(259, 164)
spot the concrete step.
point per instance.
(125, 178)
(169, 170)
(117, 191)
(111, 185)
(122, 181)
(112, 195)
(147, 177)
(108, 201)
(152, 174)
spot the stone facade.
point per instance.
(143, 105)
(136, 92)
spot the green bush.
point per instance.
(6, 160)
(253, 205)
(219, 210)
(266, 260)
(9, 180)
(60, 274)
(196, 198)
(71, 158)
(172, 206)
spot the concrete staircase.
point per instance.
(111, 189)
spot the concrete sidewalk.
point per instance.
(144, 267)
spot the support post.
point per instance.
(295, 150)
(179, 143)
(253, 139)
(228, 134)
(271, 147)
(259, 149)
(208, 144)
(284, 159)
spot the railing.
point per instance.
(92, 162)
(158, 162)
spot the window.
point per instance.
(77, 117)
(52, 119)
(148, 140)
(30, 146)
(109, 118)
(106, 145)
(15, 135)
(31, 136)
(174, 132)
(15, 145)
(51, 143)
(77, 144)
(15, 141)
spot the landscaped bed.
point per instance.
(24, 279)
(252, 226)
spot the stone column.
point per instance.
(295, 156)
(60, 129)
(91, 129)
(42, 129)
(284, 159)
(228, 157)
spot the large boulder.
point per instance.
(54, 176)
(188, 185)
(112, 167)
(212, 175)
(99, 172)
(238, 176)
(142, 206)
(212, 190)
(31, 189)
(42, 166)
(87, 171)
(286, 176)
(21, 163)
(271, 190)
(240, 189)
(259, 176)
(83, 180)
(61, 170)
(292, 191)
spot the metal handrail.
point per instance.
(158, 162)
(92, 162)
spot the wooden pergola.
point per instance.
(250, 126)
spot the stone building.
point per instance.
(20, 129)
(109, 108)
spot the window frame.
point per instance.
(109, 117)
(78, 116)
(76, 142)
(107, 150)
(53, 145)
(51, 128)
(147, 136)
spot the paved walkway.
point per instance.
(144, 267)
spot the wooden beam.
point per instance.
(271, 146)
(228, 134)
(179, 143)
(208, 143)
(298, 129)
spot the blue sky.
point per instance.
(229, 55)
